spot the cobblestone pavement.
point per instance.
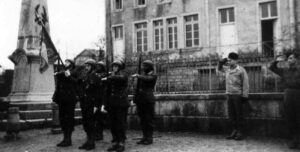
(43, 141)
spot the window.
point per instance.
(141, 37)
(191, 31)
(268, 10)
(163, 1)
(117, 4)
(158, 35)
(227, 15)
(172, 33)
(139, 3)
(118, 32)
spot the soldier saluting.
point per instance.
(145, 101)
(117, 105)
(88, 103)
(65, 96)
(100, 116)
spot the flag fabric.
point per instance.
(44, 63)
(47, 48)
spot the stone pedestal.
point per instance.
(31, 90)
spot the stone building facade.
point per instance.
(195, 28)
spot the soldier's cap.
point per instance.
(233, 56)
(149, 63)
(90, 62)
(118, 63)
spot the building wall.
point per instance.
(247, 23)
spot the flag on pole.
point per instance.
(44, 63)
(47, 48)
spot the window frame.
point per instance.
(113, 6)
(136, 5)
(114, 31)
(135, 30)
(161, 35)
(269, 10)
(173, 26)
(227, 15)
(185, 32)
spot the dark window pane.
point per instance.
(170, 45)
(170, 30)
(139, 47)
(231, 14)
(196, 42)
(273, 9)
(188, 18)
(189, 43)
(121, 32)
(176, 44)
(196, 27)
(145, 33)
(156, 32)
(188, 28)
(139, 41)
(175, 29)
(264, 10)
(196, 34)
(156, 39)
(156, 46)
(195, 17)
(223, 15)
(145, 40)
(139, 34)
(145, 47)
(189, 35)
(170, 38)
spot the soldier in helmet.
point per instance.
(88, 103)
(100, 114)
(145, 101)
(66, 97)
(117, 105)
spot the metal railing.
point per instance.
(199, 75)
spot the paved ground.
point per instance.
(43, 141)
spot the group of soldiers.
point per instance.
(100, 92)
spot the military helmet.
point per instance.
(71, 61)
(90, 62)
(148, 63)
(101, 63)
(119, 63)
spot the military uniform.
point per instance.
(291, 83)
(237, 90)
(145, 102)
(66, 97)
(99, 116)
(89, 100)
(117, 107)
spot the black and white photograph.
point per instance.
(150, 75)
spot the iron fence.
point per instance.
(199, 75)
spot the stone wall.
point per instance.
(208, 114)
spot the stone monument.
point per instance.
(31, 90)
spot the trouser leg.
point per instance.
(88, 121)
(122, 124)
